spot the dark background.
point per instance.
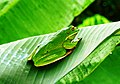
(107, 8)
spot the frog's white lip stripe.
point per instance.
(78, 39)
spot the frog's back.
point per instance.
(58, 39)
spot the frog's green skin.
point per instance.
(57, 48)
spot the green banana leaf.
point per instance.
(97, 43)
(25, 18)
(108, 72)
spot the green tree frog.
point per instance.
(59, 47)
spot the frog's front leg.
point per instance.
(50, 57)
(70, 44)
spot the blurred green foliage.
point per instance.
(94, 20)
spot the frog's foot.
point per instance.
(29, 58)
(68, 52)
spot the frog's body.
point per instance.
(57, 48)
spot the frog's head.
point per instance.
(67, 32)
(72, 30)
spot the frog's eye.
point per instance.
(73, 28)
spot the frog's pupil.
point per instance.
(73, 28)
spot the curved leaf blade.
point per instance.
(15, 67)
(107, 71)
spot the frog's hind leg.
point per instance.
(50, 57)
